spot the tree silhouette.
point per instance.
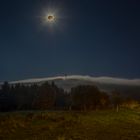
(117, 99)
(87, 97)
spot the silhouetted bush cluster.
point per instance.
(49, 97)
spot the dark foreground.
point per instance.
(98, 125)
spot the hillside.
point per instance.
(129, 87)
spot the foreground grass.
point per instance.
(97, 125)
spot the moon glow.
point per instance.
(50, 18)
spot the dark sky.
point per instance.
(92, 37)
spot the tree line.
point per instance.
(50, 97)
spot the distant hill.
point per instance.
(129, 87)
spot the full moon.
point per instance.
(50, 18)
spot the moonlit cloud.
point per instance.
(103, 80)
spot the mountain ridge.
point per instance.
(127, 87)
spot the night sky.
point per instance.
(90, 37)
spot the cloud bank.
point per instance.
(102, 80)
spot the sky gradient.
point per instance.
(92, 37)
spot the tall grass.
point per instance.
(96, 125)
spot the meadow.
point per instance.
(70, 125)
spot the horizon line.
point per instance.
(100, 79)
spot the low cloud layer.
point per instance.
(103, 80)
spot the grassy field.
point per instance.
(97, 125)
